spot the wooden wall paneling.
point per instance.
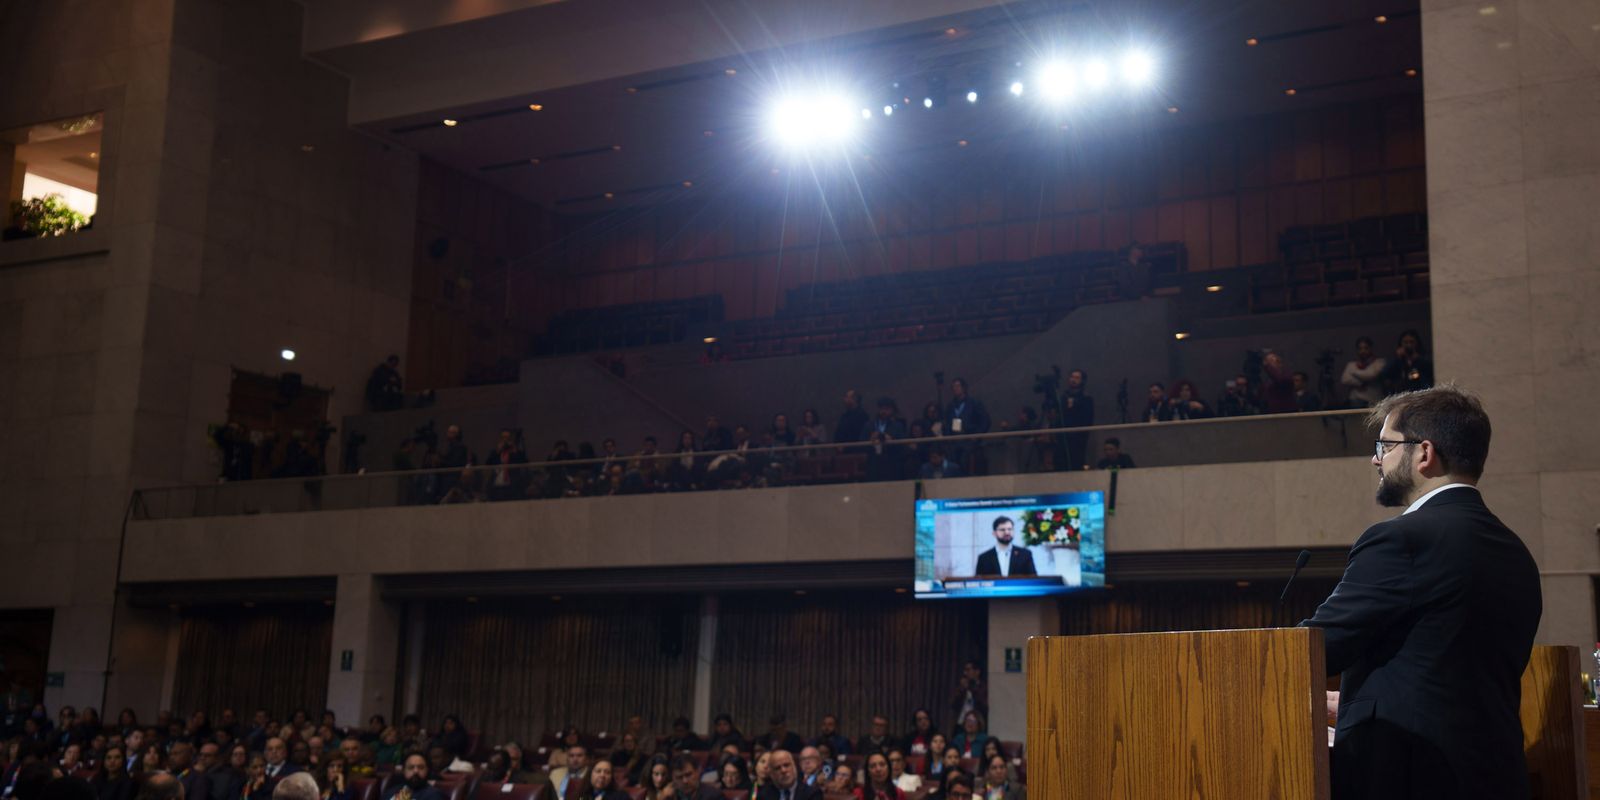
(1307, 147)
(737, 280)
(1063, 234)
(1019, 240)
(942, 251)
(1251, 136)
(1169, 165)
(1402, 133)
(1224, 219)
(767, 291)
(1405, 192)
(921, 244)
(1257, 241)
(991, 242)
(1197, 233)
(1366, 139)
(1091, 231)
(1222, 161)
(1280, 211)
(1335, 122)
(1336, 199)
(1115, 229)
(1143, 224)
(1193, 153)
(1366, 196)
(1088, 191)
(991, 204)
(644, 286)
(705, 280)
(1280, 150)
(1169, 222)
(899, 253)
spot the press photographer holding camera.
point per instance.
(1411, 369)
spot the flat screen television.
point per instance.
(1010, 546)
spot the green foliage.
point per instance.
(46, 216)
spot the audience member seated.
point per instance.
(683, 739)
(811, 766)
(779, 737)
(878, 784)
(385, 388)
(1156, 408)
(1277, 385)
(828, 735)
(413, 783)
(570, 776)
(1363, 376)
(1236, 400)
(734, 775)
(933, 761)
(603, 784)
(999, 783)
(1304, 398)
(716, 437)
(843, 780)
(686, 783)
(969, 740)
(1111, 455)
(785, 783)
(1411, 369)
(958, 787)
(938, 466)
(921, 734)
(877, 738)
(657, 777)
(1185, 401)
(811, 430)
(723, 732)
(907, 781)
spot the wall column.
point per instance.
(705, 652)
(1011, 622)
(144, 648)
(369, 629)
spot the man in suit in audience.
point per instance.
(413, 783)
(574, 776)
(1016, 561)
(1432, 623)
(686, 783)
(278, 764)
(784, 780)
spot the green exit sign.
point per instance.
(1013, 659)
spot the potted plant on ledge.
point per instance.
(42, 216)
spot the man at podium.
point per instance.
(1432, 623)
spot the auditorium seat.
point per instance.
(838, 796)
(455, 785)
(635, 792)
(855, 762)
(1011, 749)
(969, 766)
(363, 788)
(701, 757)
(513, 791)
(735, 794)
(916, 765)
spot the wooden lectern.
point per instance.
(1226, 714)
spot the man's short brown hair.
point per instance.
(1447, 416)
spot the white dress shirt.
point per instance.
(1429, 496)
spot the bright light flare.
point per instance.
(1056, 81)
(1016, 88)
(972, 97)
(813, 121)
(1138, 68)
(1096, 74)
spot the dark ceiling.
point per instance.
(643, 137)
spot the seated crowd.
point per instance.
(738, 456)
(78, 757)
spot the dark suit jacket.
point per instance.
(1021, 562)
(1431, 627)
(801, 791)
(195, 784)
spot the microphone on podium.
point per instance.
(1300, 562)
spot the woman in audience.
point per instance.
(628, 758)
(933, 765)
(951, 762)
(907, 781)
(602, 782)
(1186, 403)
(844, 780)
(71, 759)
(932, 419)
(452, 737)
(153, 760)
(991, 748)
(235, 772)
(332, 779)
(811, 430)
(127, 722)
(922, 732)
(763, 772)
(657, 776)
(734, 775)
(971, 738)
(878, 785)
(998, 781)
(389, 752)
(256, 786)
(111, 780)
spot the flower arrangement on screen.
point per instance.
(1051, 526)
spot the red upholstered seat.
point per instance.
(364, 789)
(635, 792)
(969, 766)
(735, 794)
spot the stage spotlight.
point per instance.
(1138, 68)
(1016, 88)
(866, 113)
(811, 121)
(972, 97)
(1097, 74)
(1056, 81)
(888, 111)
(927, 102)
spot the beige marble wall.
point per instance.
(1512, 107)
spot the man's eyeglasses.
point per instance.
(1381, 446)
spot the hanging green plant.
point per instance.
(46, 216)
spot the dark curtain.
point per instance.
(274, 658)
(1147, 607)
(854, 655)
(513, 671)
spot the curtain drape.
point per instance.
(515, 670)
(273, 657)
(854, 655)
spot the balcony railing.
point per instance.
(1323, 434)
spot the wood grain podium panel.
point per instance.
(1552, 725)
(1204, 714)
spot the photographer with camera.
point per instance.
(1410, 370)
(1364, 376)
(507, 483)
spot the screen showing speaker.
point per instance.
(1010, 546)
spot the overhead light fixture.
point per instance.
(632, 90)
(687, 184)
(1242, 584)
(775, 170)
(533, 161)
(1252, 42)
(93, 154)
(866, 113)
(800, 592)
(927, 102)
(950, 31)
(305, 148)
(610, 195)
(1289, 92)
(1138, 68)
(961, 143)
(535, 106)
(1055, 81)
(730, 72)
(1380, 19)
(555, 598)
(616, 147)
(1181, 335)
(1488, 11)
(1214, 288)
(888, 111)
(287, 354)
(972, 96)
(1016, 88)
(899, 590)
(472, 598)
(450, 123)
(1411, 73)
(803, 121)
(1172, 109)
(1097, 74)
(709, 340)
